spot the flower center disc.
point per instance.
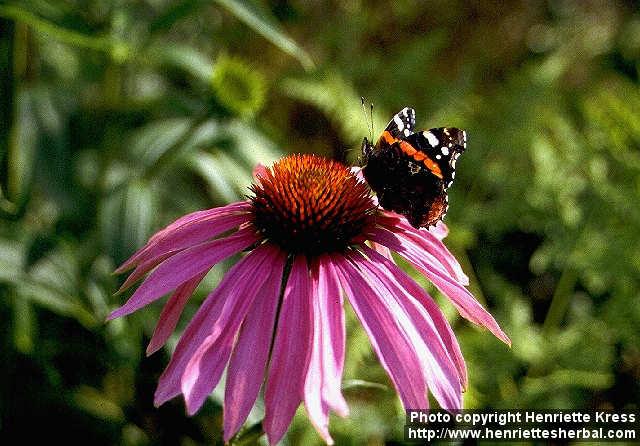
(311, 204)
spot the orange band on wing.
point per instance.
(421, 156)
(412, 152)
(433, 167)
(388, 137)
(409, 149)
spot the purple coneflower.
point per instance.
(312, 233)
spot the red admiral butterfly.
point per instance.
(411, 172)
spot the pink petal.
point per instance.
(171, 313)
(187, 236)
(237, 206)
(204, 370)
(429, 244)
(389, 341)
(216, 307)
(440, 322)
(189, 230)
(322, 383)
(332, 326)
(249, 359)
(441, 373)
(142, 269)
(290, 356)
(205, 367)
(464, 301)
(440, 230)
(386, 252)
(184, 266)
(317, 410)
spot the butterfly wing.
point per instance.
(402, 124)
(441, 147)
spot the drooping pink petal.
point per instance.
(185, 230)
(430, 246)
(171, 313)
(332, 324)
(236, 206)
(322, 383)
(393, 272)
(204, 370)
(187, 236)
(441, 373)
(142, 269)
(389, 341)
(205, 367)
(249, 358)
(290, 356)
(216, 306)
(463, 300)
(184, 266)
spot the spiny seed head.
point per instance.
(310, 204)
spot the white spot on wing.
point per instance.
(398, 122)
(433, 141)
(438, 156)
(444, 151)
(407, 132)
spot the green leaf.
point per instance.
(214, 169)
(251, 146)
(56, 301)
(248, 436)
(126, 218)
(150, 143)
(173, 14)
(12, 260)
(97, 404)
(188, 59)
(269, 30)
(338, 100)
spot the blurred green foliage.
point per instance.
(118, 117)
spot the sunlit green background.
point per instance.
(119, 116)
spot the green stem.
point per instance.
(474, 283)
(64, 35)
(11, 203)
(560, 300)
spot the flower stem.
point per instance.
(560, 300)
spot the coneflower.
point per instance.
(312, 233)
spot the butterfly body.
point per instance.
(411, 171)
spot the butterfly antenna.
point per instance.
(364, 111)
(371, 118)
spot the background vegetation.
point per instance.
(117, 117)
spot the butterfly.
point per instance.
(412, 171)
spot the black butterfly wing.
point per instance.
(402, 124)
(443, 146)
